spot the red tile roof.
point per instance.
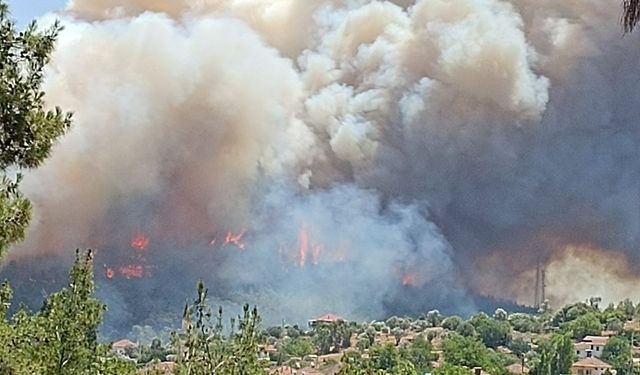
(596, 340)
(591, 362)
(122, 344)
(328, 318)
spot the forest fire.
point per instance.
(409, 280)
(140, 242)
(303, 241)
(132, 271)
(232, 239)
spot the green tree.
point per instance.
(525, 323)
(354, 364)
(153, 352)
(61, 339)
(614, 324)
(27, 130)
(70, 319)
(332, 337)
(451, 323)
(617, 353)
(554, 356)
(570, 313)
(466, 329)
(493, 333)
(519, 346)
(627, 309)
(298, 347)
(388, 359)
(433, 318)
(397, 333)
(584, 325)
(203, 349)
(470, 352)
(500, 314)
(419, 353)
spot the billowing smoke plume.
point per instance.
(353, 156)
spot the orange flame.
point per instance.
(236, 240)
(140, 242)
(409, 280)
(132, 271)
(303, 239)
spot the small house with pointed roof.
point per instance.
(590, 366)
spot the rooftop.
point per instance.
(591, 362)
(596, 340)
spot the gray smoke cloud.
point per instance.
(421, 153)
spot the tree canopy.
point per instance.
(27, 129)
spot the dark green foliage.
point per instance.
(203, 349)
(61, 339)
(419, 354)
(617, 353)
(525, 323)
(153, 352)
(451, 323)
(554, 356)
(298, 347)
(433, 318)
(519, 346)
(584, 325)
(381, 360)
(493, 333)
(570, 313)
(626, 309)
(354, 364)
(470, 352)
(332, 337)
(466, 329)
(27, 130)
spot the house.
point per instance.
(591, 346)
(591, 366)
(327, 319)
(123, 347)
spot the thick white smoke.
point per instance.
(454, 142)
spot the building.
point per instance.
(327, 319)
(123, 347)
(591, 366)
(591, 346)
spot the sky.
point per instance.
(26, 10)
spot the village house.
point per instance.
(591, 346)
(123, 347)
(326, 319)
(591, 366)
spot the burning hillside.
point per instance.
(355, 156)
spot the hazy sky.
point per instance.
(26, 10)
